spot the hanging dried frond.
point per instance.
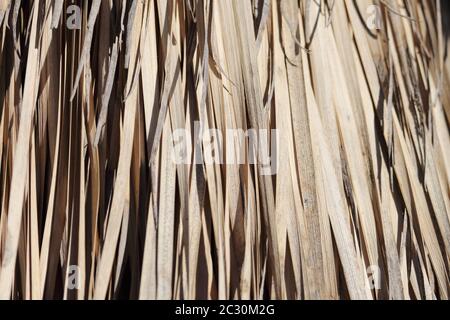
(199, 149)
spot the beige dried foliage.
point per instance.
(90, 194)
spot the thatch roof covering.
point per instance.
(94, 205)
